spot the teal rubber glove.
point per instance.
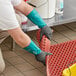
(36, 18)
(33, 48)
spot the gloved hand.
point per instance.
(42, 57)
(47, 31)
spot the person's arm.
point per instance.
(26, 43)
(34, 16)
(31, 13)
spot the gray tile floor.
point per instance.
(21, 63)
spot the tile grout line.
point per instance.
(69, 28)
(15, 67)
(63, 35)
(24, 62)
(31, 64)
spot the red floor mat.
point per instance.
(44, 44)
(63, 54)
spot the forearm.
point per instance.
(24, 8)
(20, 37)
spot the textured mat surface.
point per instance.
(63, 54)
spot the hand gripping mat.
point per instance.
(63, 54)
(44, 44)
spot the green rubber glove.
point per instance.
(36, 18)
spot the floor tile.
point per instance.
(57, 35)
(69, 33)
(24, 67)
(62, 40)
(43, 70)
(9, 54)
(33, 73)
(71, 25)
(1, 74)
(53, 42)
(11, 71)
(7, 63)
(20, 51)
(15, 60)
(73, 38)
(31, 59)
(4, 48)
(60, 28)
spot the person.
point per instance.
(3, 35)
(9, 23)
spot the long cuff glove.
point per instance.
(36, 19)
(47, 31)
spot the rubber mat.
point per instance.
(44, 44)
(63, 55)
